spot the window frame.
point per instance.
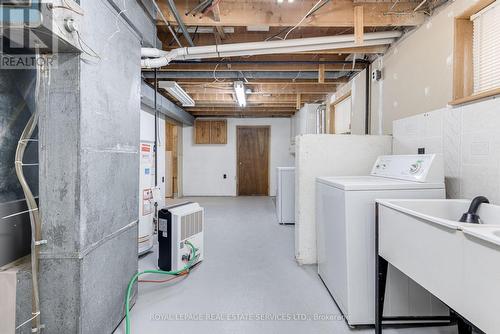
(463, 73)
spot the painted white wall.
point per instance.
(327, 155)
(203, 166)
(469, 139)
(357, 87)
(417, 72)
(148, 134)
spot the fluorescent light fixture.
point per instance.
(177, 92)
(239, 89)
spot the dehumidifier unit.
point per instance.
(176, 225)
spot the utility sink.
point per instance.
(457, 262)
(444, 212)
(488, 233)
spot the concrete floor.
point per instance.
(249, 269)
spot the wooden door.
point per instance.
(253, 160)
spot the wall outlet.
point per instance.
(421, 150)
(376, 75)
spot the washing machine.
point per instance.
(345, 213)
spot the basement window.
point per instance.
(486, 48)
(476, 69)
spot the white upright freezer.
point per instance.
(285, 195)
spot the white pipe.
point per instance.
(163, 58)
(152, 53)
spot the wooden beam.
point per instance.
(236, 108)
(238, 112)
(219, 33)
(377, 49)
(270, 13)
(263, 88)
(191, 67)
(321, 73)
(209, 82)
(226, 100)
(298, 102)
(358, 25)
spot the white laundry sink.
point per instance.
(457, 262)
(444, 212)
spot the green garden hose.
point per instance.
(136, 276)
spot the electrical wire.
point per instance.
(81, 42)
(302, 20)
(30, 199)
(68, 7)
(187, 267)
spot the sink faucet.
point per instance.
(471, 215)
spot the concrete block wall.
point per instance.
(89, 152)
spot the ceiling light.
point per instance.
(280, 1)
(239, 89)
(177, 92)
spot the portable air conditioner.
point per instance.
(176, 225)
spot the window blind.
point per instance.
(486, 48)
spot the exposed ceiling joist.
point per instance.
(242, 112)
(270, 13)
(262, 88)
(223, 98)
(312, 67)
(248, 75)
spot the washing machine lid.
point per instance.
(352, 183)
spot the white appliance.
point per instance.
(146, 200)
(176, 225)
(345, 213)
(285, 195)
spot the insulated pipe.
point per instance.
(182, 26)
(163, 58)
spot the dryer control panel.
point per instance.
(417, 168)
